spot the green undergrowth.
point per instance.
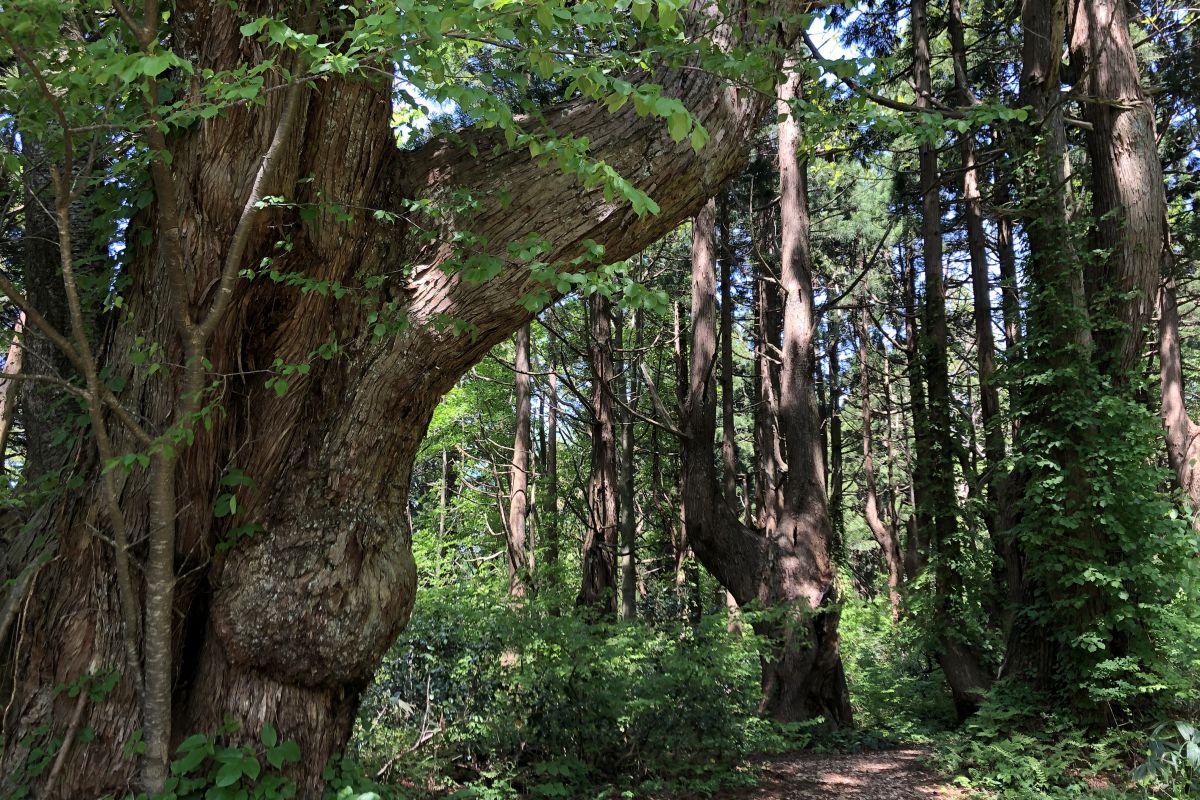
(481, 699)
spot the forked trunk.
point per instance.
(283, 609)
(785, 568)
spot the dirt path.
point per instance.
(877, 775)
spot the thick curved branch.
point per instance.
(555, 207)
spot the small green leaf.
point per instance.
(678, 124)
(229, 774)
(156, 64)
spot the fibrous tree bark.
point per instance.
(516, 544)
(788, 566)
(598, 589)
(288, 624)
(1128, 199)
(1088, 311)
(1182, 434)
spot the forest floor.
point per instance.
(872, 775)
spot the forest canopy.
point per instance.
(586, 399)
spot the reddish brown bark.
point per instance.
(886, 535)
(1128, 200)
(787, 566)
(290, 624)
(516, 539)
(599, 574)
(1182, 434)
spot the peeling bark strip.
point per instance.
(290, 625)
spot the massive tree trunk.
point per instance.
(1128, 200)
(787, 565)
(1089, 306)
(516, 539)
(288, 624)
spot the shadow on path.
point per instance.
(876, 775)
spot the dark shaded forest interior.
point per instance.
(599, 399)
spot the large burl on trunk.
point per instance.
(288, 626)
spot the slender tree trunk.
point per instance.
(8, 389)
(627, 498)
(1000, 507)
(967, 679)
(885, 534)
(916, 545)
(729, 454)
(551, 494)
(599, 587)
(767, 448)
(833, 344)
(518, 493)
(728, 434)
(683, 545)
(1006, 257)
(1182, 434)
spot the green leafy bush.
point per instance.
(547, 705)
